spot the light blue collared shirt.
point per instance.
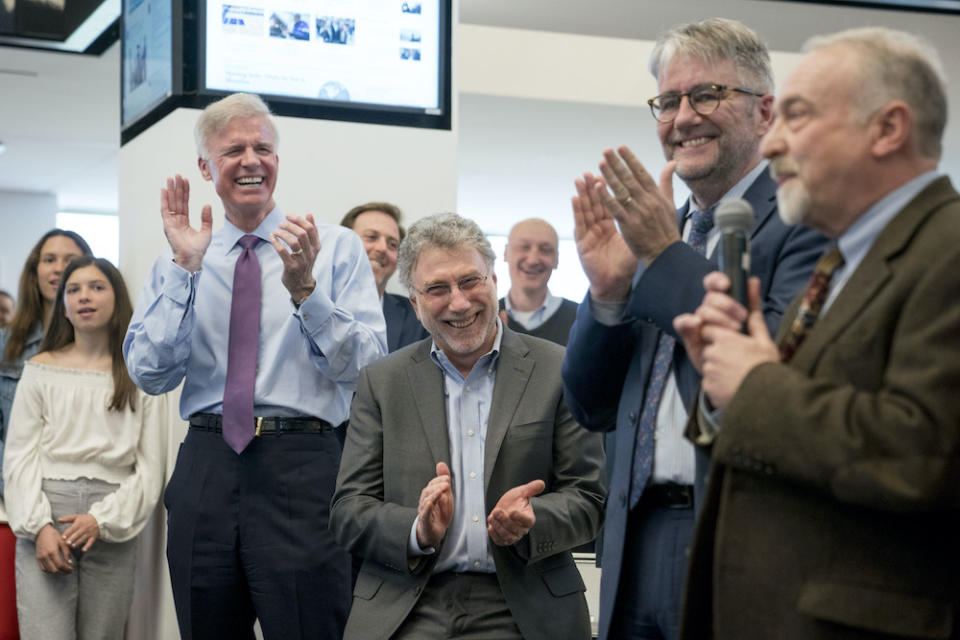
(854, 244)
(467, 401)
(308, 358)
(674, 458)
(530, 320)
(856, 241)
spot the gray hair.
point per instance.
(443, 231)
(714, 40)
(218, 114)
(895, 65)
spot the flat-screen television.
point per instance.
(372, 61)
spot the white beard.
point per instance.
(793, 203)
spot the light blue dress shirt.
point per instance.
(856, 241)
(308, 358)
(467, 401)
(854, 244)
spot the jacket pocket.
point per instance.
(367, 585)
(877, 610)
(563, 580)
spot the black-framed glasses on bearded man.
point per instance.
(704, 99)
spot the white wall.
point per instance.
(24, 217)
(325, 169)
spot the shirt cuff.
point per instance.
(708, 420)
(314, 310)
(413, 547)
(177, 283)
(607, 313)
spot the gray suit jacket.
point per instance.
(398, 433)
(833, 508)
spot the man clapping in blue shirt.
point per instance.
(267, 322)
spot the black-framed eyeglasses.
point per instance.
(442, 290)
(704, 100)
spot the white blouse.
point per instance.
(60, 429)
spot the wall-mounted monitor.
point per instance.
(372, 61)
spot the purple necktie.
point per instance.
(243, 346)
(700, 224)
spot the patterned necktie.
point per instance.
(813, 299)
(700, 224)
(242, 350)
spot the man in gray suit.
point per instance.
(465, 481)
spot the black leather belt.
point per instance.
(668, 496)
(214, 422)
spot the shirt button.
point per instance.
(473, 474)
(656, 435)
(466, 388)
(476, 564)
(476, 518)
(470, 432)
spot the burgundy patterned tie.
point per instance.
(813, 299)
(243, 347)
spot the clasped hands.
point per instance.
(510, 520)
(54, 549)
(625, 197)
(715, 344)
(296, 241)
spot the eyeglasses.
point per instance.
(704, 100)
(442, 290)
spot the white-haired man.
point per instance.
(833, 503)
(267, 322)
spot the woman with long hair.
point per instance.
(84, 464)
(19, 342)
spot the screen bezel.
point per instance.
(348, 112)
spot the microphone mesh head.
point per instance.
(734, 215)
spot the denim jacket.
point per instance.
(9, 377)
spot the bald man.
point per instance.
(532, 254)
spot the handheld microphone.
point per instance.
(734, 218)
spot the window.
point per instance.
(100, 230)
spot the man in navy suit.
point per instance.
(623, 369)
(378, 225)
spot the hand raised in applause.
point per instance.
(513, 517)
(606, 259)
(188, 244)
(645, 212)
(713, 340)
(297, 242)
(53, 554)
(435, 510)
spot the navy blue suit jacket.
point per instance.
(403, 327)
(606, 368)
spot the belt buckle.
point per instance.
(683, 499)
(256, 431)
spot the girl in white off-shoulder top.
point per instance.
(83, 466)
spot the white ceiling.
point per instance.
(59, 113)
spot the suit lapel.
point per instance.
(426, 383)
(872, 274)
(513, 374)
